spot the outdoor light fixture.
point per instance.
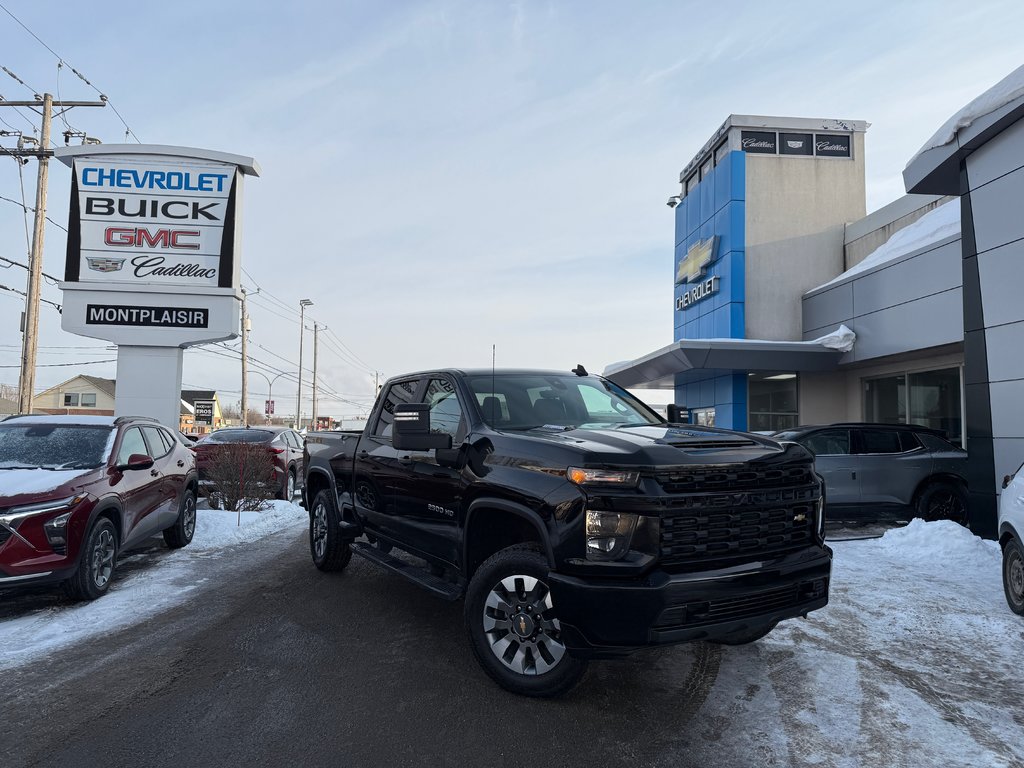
(674, 201)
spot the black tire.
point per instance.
(180, 534)
(329, 550)
(1013, 575)
(546, 667)
(745, 637)
(96, 563)
(942, 501)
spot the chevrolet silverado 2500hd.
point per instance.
(575, 522)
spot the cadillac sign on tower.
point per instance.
(153, 260)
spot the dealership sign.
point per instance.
(139, 219)
(153, 244)
(204, 411)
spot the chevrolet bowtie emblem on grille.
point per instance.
(697, 259)
(101, 264)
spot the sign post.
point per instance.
(153, 262)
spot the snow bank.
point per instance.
(942, 544)
(148, 583)
(1010, 88)
(216, 529)
(936, 225)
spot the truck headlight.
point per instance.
(609, 534)
(602, 477)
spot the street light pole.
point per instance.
(270, 385)
(303, 303)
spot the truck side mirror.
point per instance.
(677, 414)
(410, 430)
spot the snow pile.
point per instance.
(936, 225)
(1009, 89)
(842, 338)
(148, 582)
(942, 543)
(216, 528)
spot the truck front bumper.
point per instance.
(606, 618)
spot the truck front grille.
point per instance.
(716, 519)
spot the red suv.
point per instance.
(77, 490)
(285, 448)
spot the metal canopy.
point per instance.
(662, 368)
(67, 155)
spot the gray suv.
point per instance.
(886, 471)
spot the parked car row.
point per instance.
(76, 491)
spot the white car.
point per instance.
(1011, 537)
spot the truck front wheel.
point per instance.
(329, 550)
(513, 626)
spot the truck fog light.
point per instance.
(609, 534)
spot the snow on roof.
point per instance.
(938, 224)
(1009, 89)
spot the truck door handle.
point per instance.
(854, 475)
(363, 454)
(405, 460)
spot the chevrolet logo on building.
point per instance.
(697, 260)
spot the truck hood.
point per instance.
(658, 445)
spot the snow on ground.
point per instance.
(155, 585)
(914, 662)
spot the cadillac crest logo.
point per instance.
(104, 263)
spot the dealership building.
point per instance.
(793, 306)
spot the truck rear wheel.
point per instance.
(329, 550)
(513, 626)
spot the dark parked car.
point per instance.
(285, 446)
(77, 490)
(886, 471)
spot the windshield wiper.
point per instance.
(558, 427)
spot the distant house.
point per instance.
(8, 407)
(93, 395)
(79, 395)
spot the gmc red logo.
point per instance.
(141, 237)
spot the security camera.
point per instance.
(674, 201)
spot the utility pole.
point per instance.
(303, 303)
(30, 337)
(316, 331)
(245, 363)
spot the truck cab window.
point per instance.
(445, 411)
(399, 392)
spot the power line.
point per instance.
(51, 278)
(128, 132)
(28, 208)
(64, 365)
(22, 293)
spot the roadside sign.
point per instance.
(268, 407)
(204, 412)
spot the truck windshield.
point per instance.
(530, 401)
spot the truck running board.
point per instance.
(424, 578)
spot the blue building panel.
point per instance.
(716, 207)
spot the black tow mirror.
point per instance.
(410, 430)
(677, 414)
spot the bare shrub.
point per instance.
(241, 477)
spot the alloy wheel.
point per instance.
(188, 515)
(291, 487)
(520, 626)
(1016, 579)
(320, 530)
(103, 558)
(946, 505)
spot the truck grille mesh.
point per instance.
(736, 514)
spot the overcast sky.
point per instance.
(439, 177)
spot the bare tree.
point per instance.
(241, 477)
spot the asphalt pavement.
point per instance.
(274, 664)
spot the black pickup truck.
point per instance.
(576, 522)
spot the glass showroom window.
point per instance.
(88, 399)
(704, 416)
(70, 399)
(772, 401)
(929, 398)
